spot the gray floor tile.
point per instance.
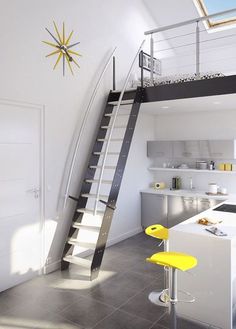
(123, 320)
(87, 312)
(113, 293)
(181, 323)
(25, 316)
(142, 307)
(68, 300)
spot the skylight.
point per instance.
(209, 7)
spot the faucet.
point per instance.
(191, 183)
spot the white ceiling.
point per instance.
(188, 105)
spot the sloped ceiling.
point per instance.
(216, 49)
(166, 12)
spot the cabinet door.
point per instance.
(159, 149)
(153, 209)
(222, 149)
(204, 147)
(186, 149)
(204, 204)
(180, 209)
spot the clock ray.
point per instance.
(62, 43)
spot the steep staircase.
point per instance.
(99, 192)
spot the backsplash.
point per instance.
(200, 180)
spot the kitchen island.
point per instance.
(213, 281)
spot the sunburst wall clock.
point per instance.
(63, 49)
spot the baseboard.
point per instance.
(52, 267)
(56, 265)
(124, 236)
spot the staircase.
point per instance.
(99, 192)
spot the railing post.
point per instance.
(114, 72)
(152, 56)
(197, 51)
(141, 64)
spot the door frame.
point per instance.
(41, 109)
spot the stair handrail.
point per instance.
(87, 112)
(112, 127)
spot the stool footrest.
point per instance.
(186, 293)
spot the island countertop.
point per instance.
(213, 280)
(227, 225)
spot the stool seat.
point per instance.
(176, 260)
(157, 231)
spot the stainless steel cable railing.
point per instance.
(200, 44)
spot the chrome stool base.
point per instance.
(159, 298)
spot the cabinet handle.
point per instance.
(187, 154)
(205, 201)
(190, 200)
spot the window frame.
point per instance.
(219, 23)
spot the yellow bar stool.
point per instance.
(158, 231)
(175, 261)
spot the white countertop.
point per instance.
(188, 193)
(228, 225)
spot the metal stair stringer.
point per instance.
(86, 188)
(77, 221)
(116, 184)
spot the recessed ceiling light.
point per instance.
(165, 107)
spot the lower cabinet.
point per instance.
(153, 209)
(180, 208)
(204, 203)
(171, 210)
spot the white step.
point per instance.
(109, 153)
(75, 242)
(111, 140)
(89, 211)
(78, 261)
(97, 181)
(115, 127)
(123, 102)
(119, 115)
(93, 196)
(126, 90)
(106, 167)
(86, 227)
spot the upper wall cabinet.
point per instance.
(193, 149)
(159, 149)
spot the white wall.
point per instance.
(26, 75)
(127, 218)
(202, 125)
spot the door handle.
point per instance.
(35, 191)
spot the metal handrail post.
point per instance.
(152, 59)
(111, 130)
(197, 51)
(114, 72)
(141, 64)
(83, 126)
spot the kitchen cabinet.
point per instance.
(180, 208)
(153, 209)
(222, 149)
(159, 149)
(193, 149)
(186, 149)
(204, 204)
(169, 210)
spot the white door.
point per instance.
(20, 193)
